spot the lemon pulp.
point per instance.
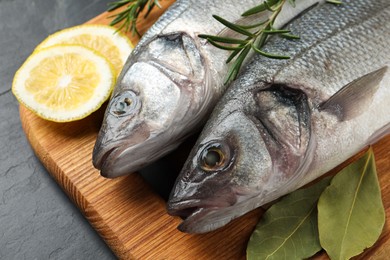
(58, 84)
(64, 82)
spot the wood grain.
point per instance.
(128, 214)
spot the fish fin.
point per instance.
(354, 97)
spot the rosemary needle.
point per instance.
(129, 16)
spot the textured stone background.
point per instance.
(37, 220)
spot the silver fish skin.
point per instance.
(284, 123)
(169, 84)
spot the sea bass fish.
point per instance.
(284, 123)
(169, 84)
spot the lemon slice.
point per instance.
(114, 45)
(64, 82)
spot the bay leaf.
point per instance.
(288, 229)
(350, 210)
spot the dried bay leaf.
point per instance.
(350, 211)
(288, 230)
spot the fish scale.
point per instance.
(353, 48)
(284, 123)
(312, 33)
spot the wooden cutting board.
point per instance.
(128, 214)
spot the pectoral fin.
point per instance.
(355, 97)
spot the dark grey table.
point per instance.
(37, 220)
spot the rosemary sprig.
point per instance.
(254, 35)
(129, 16)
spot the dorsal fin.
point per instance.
(353, 98)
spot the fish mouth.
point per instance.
(111, 160)
(100, 156)
(202, 215)
(196, 215)
(114, 162)
(183, 209)
(104, 160)
(122, 156)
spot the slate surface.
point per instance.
(37, 220)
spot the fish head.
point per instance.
(146, 115)
(242, 159)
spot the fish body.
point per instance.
(284, 123)
(169, 84)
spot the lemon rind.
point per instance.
(124, 44)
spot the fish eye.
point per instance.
(215, 156)
(124, 103)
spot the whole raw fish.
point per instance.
(169, 84)
(283, 123)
